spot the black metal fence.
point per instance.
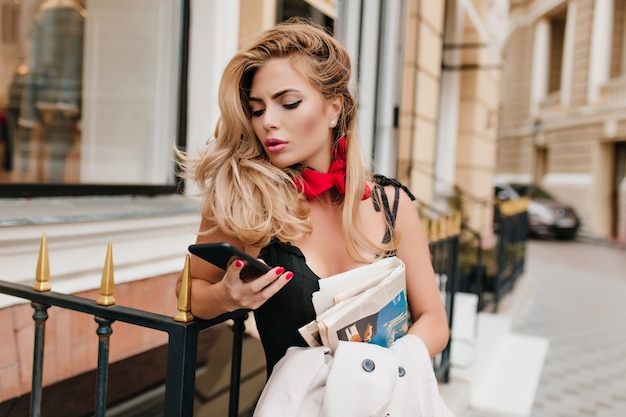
(182, 331)
(511, 228)
(183, 328)
(491, 273)
(444, 240)
(473, 269)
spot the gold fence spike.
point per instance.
(524, 204)
(506, 208)
(432, 230)
(441, 228)
(184, 296)
(513, 207)
(458, 222)
(436, 229)
(42, 273)
(106, 285)
(450, 225)
(456, 230)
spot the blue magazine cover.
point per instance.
(382, 328)
(366, 304)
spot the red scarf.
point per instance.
(312, 183)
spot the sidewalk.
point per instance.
(495, 372)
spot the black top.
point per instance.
(279, 319)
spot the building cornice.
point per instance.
(528, 14)
(575, 118)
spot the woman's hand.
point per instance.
(252, 294)
(214, 292)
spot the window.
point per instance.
(304, 8)
(618, 57)
(557, 43)
(89, 95)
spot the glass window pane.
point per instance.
(89, 91)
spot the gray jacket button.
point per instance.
(368, 365)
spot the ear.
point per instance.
(336, 106)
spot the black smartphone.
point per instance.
(221, 254)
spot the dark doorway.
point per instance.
(617, 201)
(302, 8)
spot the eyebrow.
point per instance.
(276, 95)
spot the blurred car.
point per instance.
(546, 215)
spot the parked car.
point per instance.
(546, 215)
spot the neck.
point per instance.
(329, 198)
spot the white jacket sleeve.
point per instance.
(413, 356)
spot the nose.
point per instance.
(269, 119)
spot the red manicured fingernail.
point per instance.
(238, 263)
(280, 270)
(289, 276)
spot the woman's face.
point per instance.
(290, 117)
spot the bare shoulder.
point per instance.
(407, 221)
(408, 216)
(398, 194)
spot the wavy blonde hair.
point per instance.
(244, 195)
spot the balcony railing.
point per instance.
(183, 329)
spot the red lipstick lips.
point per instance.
(274, 145)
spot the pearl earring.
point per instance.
(332, 123)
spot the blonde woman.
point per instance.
(283, 179)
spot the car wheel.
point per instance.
(566, 235)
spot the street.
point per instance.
(578, 303)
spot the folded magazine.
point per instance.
(366, 304)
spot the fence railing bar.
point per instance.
(238, 329)
(181, 371)
(104, 332)
(444, 248)
(115, 313)
(182, 345)
(40, 315)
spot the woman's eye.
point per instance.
(292, 105)
(257, 113)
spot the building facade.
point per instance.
(98, 168)
(429, 96)
(563, 110)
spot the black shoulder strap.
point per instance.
(380, 197)
(384, 181)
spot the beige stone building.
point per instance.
(427, 73)
(452, 77)
(563, 111)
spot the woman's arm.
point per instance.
(214, 292)
(430, 322)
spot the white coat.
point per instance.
(359, 380)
